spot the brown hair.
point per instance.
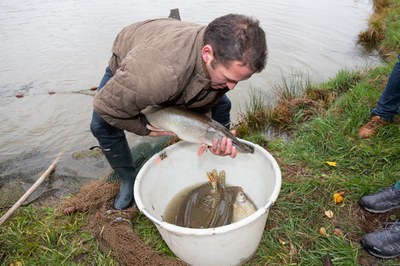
(240, 38)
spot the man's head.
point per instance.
(234, 48)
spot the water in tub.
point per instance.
(210, 204)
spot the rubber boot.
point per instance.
(120, 158)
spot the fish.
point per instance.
(191, 127)
(214, 204)
(242, 207)
(208, 205)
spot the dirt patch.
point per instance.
(297, 110)
(112, 228)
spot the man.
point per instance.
(167, 62)
(387, 106)
(383, 243)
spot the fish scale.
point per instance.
(191, 126)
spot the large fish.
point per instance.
(192, 127)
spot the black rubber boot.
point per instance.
(120, 158)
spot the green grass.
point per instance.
(148, 232)
(37, 236)
(362, 167)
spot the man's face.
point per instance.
(222, 77)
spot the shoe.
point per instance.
(370, 128)
(384, 243)
(120, 158)
(381, 201)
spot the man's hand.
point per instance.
(223, 148)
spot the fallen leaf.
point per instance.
(322, 231)
(338, 232)
(331, 163)
(338, 197)
(281, 241)
(292, 250)
(329, 213)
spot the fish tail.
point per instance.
(242, 147)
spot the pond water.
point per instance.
(64, 46)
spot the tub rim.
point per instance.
(215, 230)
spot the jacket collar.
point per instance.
(200, 79)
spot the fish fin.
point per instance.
(153, 128)
(220, 127)
(240, 146)
(203, 148)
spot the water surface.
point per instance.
(64, 46)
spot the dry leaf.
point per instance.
(331, 163)
(322, 231)
(329, 213)
(338, 197)
(338, 232)
(292, 250)
(281, 241)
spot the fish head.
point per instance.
(240, 196)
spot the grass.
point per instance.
(37, 236)
(322, 122)
(362, 167)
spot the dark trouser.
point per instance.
(108, 135)
(220, 111)
(389, 102)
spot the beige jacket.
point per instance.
(155, 62)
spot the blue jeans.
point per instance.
(108, 135)
(389, 102)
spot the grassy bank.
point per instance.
(322, 125)
(324, 156)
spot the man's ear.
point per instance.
(207, 53)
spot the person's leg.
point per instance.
(221, 111)
(106, 134)
(389, 102)
(116, 150)
(107, 76)
(387, 106)
(115, 147)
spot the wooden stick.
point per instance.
(30, 190)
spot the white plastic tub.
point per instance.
(178, 167)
